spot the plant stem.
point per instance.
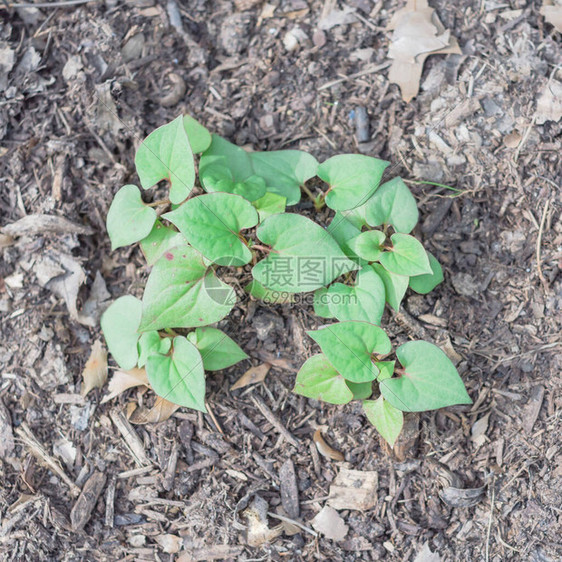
(308, 193)
(159, 202)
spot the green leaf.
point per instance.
(198, 136)
(388, 420)
(352, 178)
(182, 292)
(179, 377)
(406, 257)
(166, 154)
(212, 223)
(219, 178)
(423, 284)
(258, 291)
(284, 171)
(368, 244)
(364, 301)
(217, 349)
(304, 256)
(343, 231)
(386, 369)
(150, 343)
(119, 324)
(361, 390)
(393, 204)
(394, 285)
(349, 347)
(270, 204)
(160, 239)
(224, 153)
(129, 219)
(320, 303)
(319, 380)
(430, 380)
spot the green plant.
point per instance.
(235, 218)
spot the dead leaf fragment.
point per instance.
(354, 489)
(94, 374)
(170, 544)
(462, 497)
(417, 33)
(553, 15)
(324, 449)
(425, 555)
(478, 430)
(161, 411)
(252, 376)
(258, 531)
(330, 524)
(549, 104)
(123, 380)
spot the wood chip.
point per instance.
(272, 419)
(532, 408)
(86, 502)
(43, 224)
(130, 438)
(330, 524)
(6, 432)
(289, 489)
(354, 489)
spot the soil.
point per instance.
(81, 86)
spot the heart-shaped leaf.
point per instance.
(119, 324)
(364, 301)
(160, 239)
(224, 153)
(424, 284)
(320, 303)
(129, 219)
(361, 390)
(352, 178)
(393, 204)
(343, 232)
(394, 285)
(284, 171)
(386, 369)
(387, 419)
(166, 154)
(258, 291)
(150, 343)
(270, 204)
(182, 292)
(216, 348)
(430, 380)
(304, 256)
(212, 223)
(368, 245)
(219, 178)
(319, 380)
(349, 346)
(179, 377)
(406, 257)
(198, 136)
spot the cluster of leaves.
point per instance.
(236, 217)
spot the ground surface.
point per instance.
(86, 84)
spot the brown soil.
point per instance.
(87, 83)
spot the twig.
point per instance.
(539, 241)
(215, 421)
(130, 437)
(272, 419)
(39, 452)
(490, 521)
(63, 4)
(293, 522)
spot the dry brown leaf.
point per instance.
(252, 376)
(325, 449)
(160, 412)
(354, 489)
(418, 33)
(123, 380)
(553, 15)
(94, 374)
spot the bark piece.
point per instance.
(87, 500)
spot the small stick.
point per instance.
(215, 421)
(293, 522)
(64, 4)
(272, 419)
(130, 437)
(539, 242)
(39, 452)
(110, 502)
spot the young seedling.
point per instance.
(365, 258)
